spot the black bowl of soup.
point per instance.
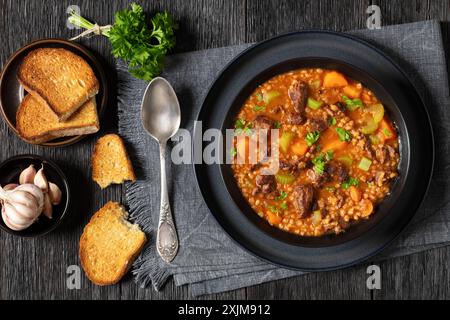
(355, 150)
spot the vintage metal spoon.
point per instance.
(161, 116)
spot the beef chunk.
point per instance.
(304, 197)
(337, 171)
(391, 151)
(266, 183)
(263, 122)
(381, 154)
(316, 179)
(296, 118)
(368, 147)
(256, 166)
(284, 165)
(298, 93)
(318, 125)
(384, 153)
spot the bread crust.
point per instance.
(66, 128)
(98, 174)
(30, 68)
(97, 218)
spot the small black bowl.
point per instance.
(9, 173)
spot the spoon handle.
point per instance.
(166, 239)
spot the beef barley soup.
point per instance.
(338, 152)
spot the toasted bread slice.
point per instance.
(109, 244)
(59, 78)
(36, 123)
(110, 162)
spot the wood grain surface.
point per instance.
(36, 268)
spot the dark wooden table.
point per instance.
(36, 268)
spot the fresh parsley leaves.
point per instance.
(143, 48)
(243, 126)
(319, 163)
(283, 195)
(257, 108)
(350, 182)
(343, 134)
(312, 137)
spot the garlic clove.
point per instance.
(55, 193)
(9, 224)
(27, 175)
(48, 207)
(35, 191)
(40, 180)
(10, 186)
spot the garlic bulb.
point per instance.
(10, 186)
(27, 175)
(21, 206)
(54, 193)
(40, 180)
(35, 191)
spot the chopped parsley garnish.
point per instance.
(319, 163)
(273, 209)
(343, 134)
(233, 152)
(243, 126)
(350, 182)
(332, 121)
(329, 155)
(312, 137)
(284, 206)
(352, 104)
(277, 125)
(283, 195)
(257, 108)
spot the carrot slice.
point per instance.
(242, 148)
(386, 131)
(273, 218)
(355, 194)
(334, 79)
(299, 147)
(352, 91)
(330, 141)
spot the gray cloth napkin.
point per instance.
(208, 260)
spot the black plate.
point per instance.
(10, 171)
(375, 70)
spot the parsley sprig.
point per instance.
(144, 49)
(344, 135)
(312, 137)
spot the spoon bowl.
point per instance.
(160, 113)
